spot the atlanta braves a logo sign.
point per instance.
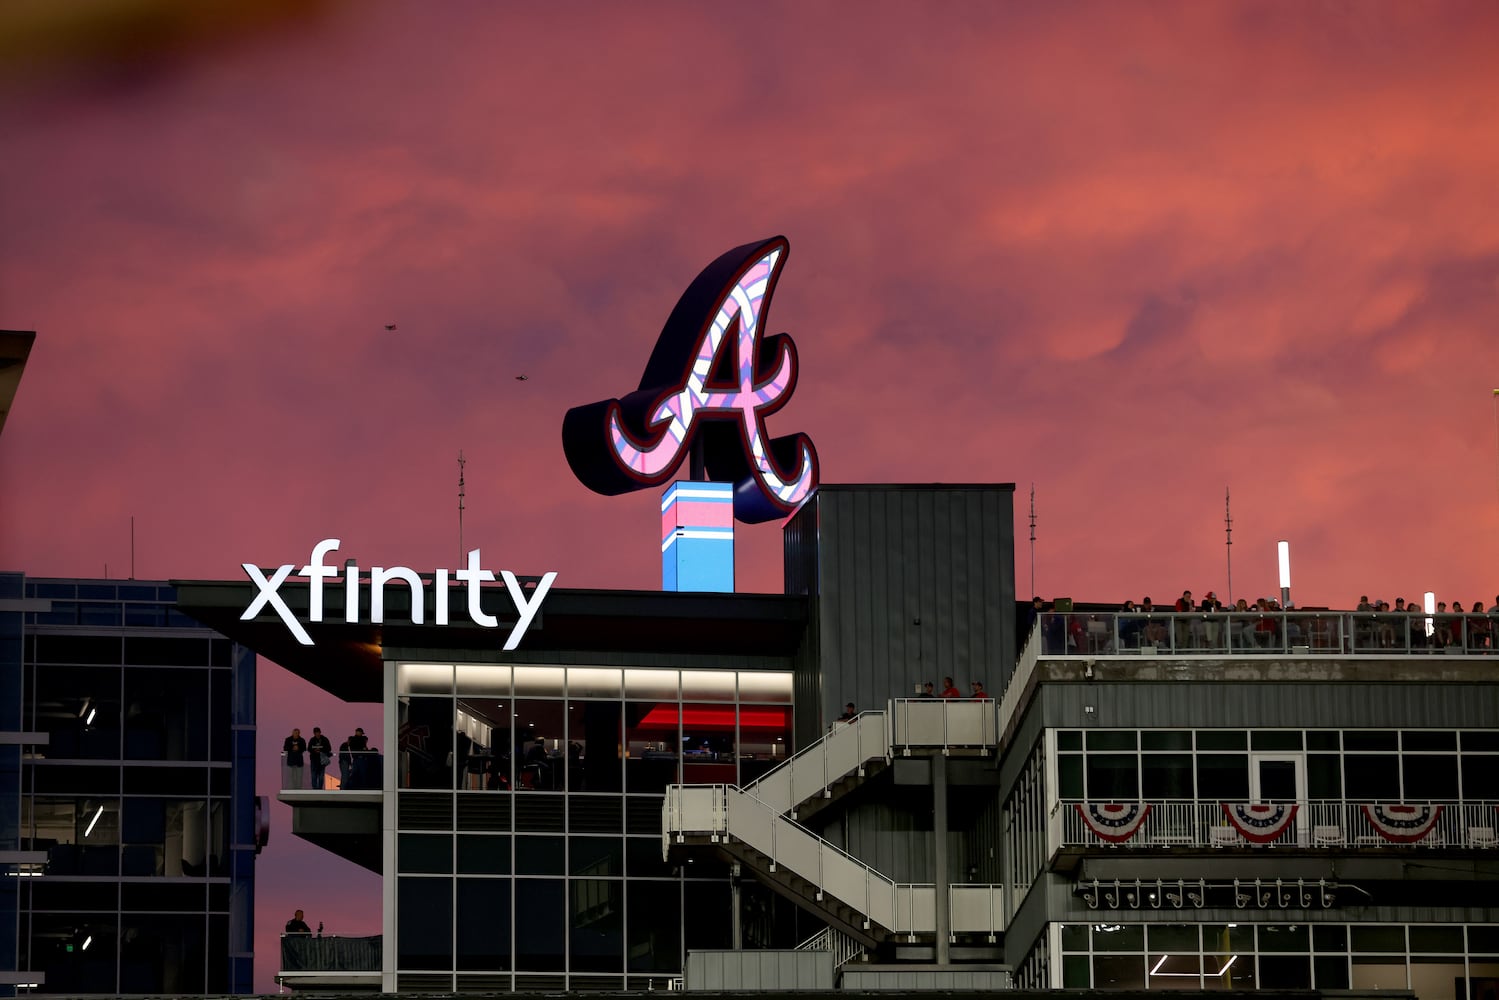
(714, 375)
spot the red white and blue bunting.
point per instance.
(1401, 824)
(1260, 824)
(1115, 822)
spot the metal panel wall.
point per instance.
(910, 583)
(757, 971)
(1269, 705)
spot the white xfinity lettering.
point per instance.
(316, 571)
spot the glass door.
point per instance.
(1280, 779)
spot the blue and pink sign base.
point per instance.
(697, 537)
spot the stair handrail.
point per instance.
(844, 949)
(1025, 667)
(872, 723)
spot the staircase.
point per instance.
(757, 825)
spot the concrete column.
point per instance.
(939, 856)
(736, 931)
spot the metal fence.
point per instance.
(1261, 633)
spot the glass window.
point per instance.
(1331, 972)
(166, 714)
(483, 679)
(655, 685)
(1069, 739)
(483, 855)
(540, 855)
(767, 686)
(1429, 739)
(1487, 739)
(653, 931)
(708, 685)
(540, 925)
(596, 917)
(425, 853)
(593, 682)
(424, 678)
(764, 739)
(424, 914)
(1070, 775)
(1330, 937)
(541, 750)
(1438, 940)
(1166, 740)
(1111, 739)
(709, 915)
(1112, 777)
(1371, 777)
(1324, 776)
(1172, 937)
(483, 931)
(1223, 777)
(539, 682)
(1119, 972)
(1429, 776)
(1119, 937)
(1074, 937)
(1285, 972)
(426, 741)
(1222, 739)
(1075, 972)
(1377, 938)
(1480, 777)
(709, 744)
(487, 737)
(1370, 739)
(1285, 937)
(596, 857)
(652, 745)
(1275, 739)
(643, 858)
(1166, 777)
(1323, 739)
(594, 742)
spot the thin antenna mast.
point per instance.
(461, 464)
(1228, 544)
(1033, 539)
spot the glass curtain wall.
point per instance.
(528, 794)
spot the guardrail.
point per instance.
(351, 769)
(1251, 633)
(721, 811)
(1319, 823)
(811, 770)
(329, 953)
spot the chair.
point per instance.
(1482, 836)
(1327, 836)
(1224, 836)
(1098, 636)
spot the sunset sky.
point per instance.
(1134, 255)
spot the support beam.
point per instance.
(939, 858)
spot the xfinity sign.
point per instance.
(317, 570)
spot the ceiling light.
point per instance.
(93, 821)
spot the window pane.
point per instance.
(1427, 739)
(1275, 739)
(488, 725)
(768, 686)
(1372, 778)
(1109, 739)
(1166, 777)
(541, 925)
(1281, 937)
(654, 928)
(491, 679)
(764, 739)
(1070, 775)
(1323, 740)
(708, 685)
(1119, 937)
(1324, 776)
(1168, 740)
(1480, 777)
(1222, 739)
(1223, 776)
(1285, 972)
(540, 682)
(424, 908)
(1429, 776)
(540, 761)
(594, 741)
(1069, 739)
(420, 852)
(1122, 972)
(709, 743)
(596, 916)
(424, 678)
(1378, 939)
(1112, 777)
(483, 924)
(540, 855)
(483, 855)
(651, 684)
(426, 741)
(1370, 739)
(652, 742)
(593, 682)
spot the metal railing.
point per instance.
(1320, 823)
(812, 770)
(844, 948)
(722, 811)
(351, 769)
(329, 953)
(1251, 633)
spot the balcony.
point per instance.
(325, 962)
(1266, 633)
(1079, 827)
(343, 816)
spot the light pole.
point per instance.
(1283, 548)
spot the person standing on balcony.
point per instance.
(929, 690)
(293, 747)
(950, 690)
(296, 925)
(319, 749)
(849, 713)
(979, 694)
